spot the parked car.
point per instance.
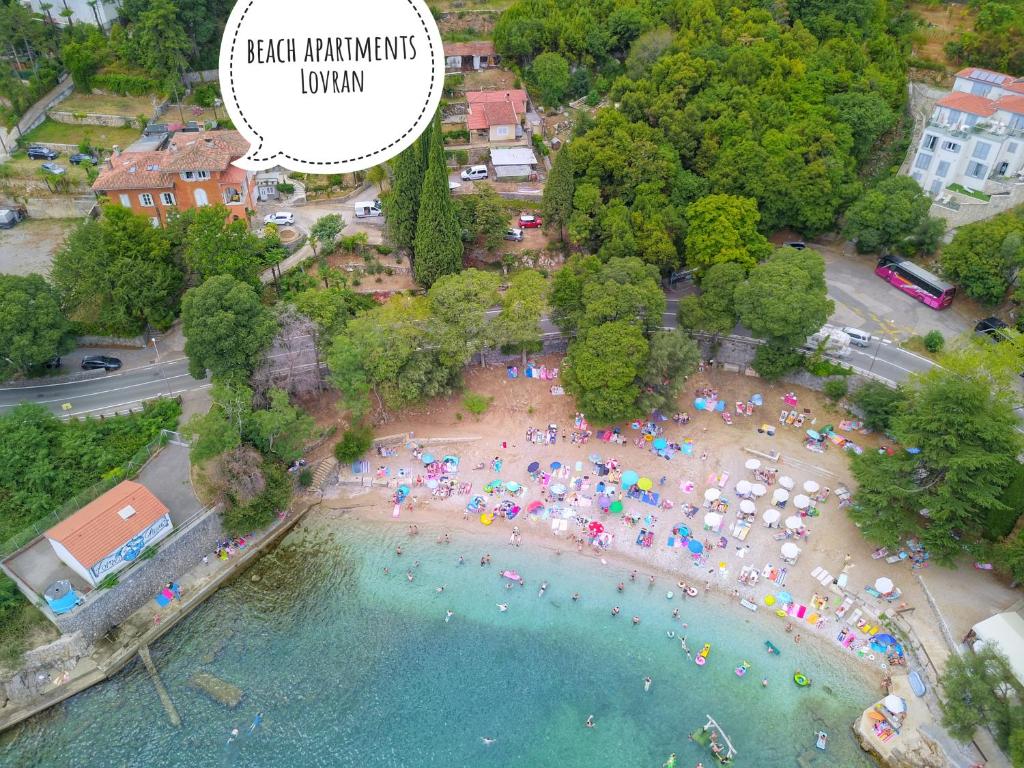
(992, 328)
(474, 173)
(858, 337)
(529, 220)
(281, 218)
(56, 170)
(84, 157)
(9, 217)
(514, 233)
(42, 153)
(797, 245)
(96, 362)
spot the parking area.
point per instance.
(29, 246)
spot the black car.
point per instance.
(84, 157)
(991, 327)
(95, 362)
(797, 245)
(42, 153)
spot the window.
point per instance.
(981, 150)
(917, 176)
(977, 170)
(195, 175)
(1002, 168)
(951, 146)
(200, 198)
(942, 169)
(935, 188)
(501, 130)
(930, 140)
(146, 200)
(923, 161)
(167, 198)
(980, 89)
(126, 201)
(1011, 148)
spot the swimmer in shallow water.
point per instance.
(647, 683)
(543, 586)
(439, 589)
(615, 611)
(590, 721)
(448, 615)
(764, 683)
(487, 740)
(256, 722)
(575, 596)
(233, 736)
(502, 607)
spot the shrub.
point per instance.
(835, 389)
(306, 477)
(820, 366)
(125, 85)
(260, 512)
(108, 582)
(383, 250)
(353, 444)
(462, 156)
(934, 341)
(476, 404)
(1000, 523)
(453, 137)
(285, 188)
(772, 361)
(205, 95)
(149, 552)
(539, 145)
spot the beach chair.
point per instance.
(825, 578)
(842, 609)
(816, 572)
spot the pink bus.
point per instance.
(916, 282)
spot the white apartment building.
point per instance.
(975, 136)
(102, 13)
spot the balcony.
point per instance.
(232, 196)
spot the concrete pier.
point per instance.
(165, 697)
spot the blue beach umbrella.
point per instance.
(556, 465)
(813, 435)
(629, 478)
(884, 639)
(534, 466)
(428, 458)
(700, 403)
(595, 458)
(695, 546)
(660, 444)
(720, 406)
(784, 597)
(512, 485)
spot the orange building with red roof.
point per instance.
(192, 171)
(498, 114)
(110, 532)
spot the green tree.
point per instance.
(603, 369)
(624, 289)
(162, 40)
(892, 215)
(226, 328)
(117, 273)
(221, 428)
(714, 310)
(980, 689)
(566, 299)
(722, 229)
(558, 192)
(438, 245)
(879, 404)
(32, 328)
(672, 357)
(402, 203)
(354, 443)
(215, 246)
(550, 73)
(84, 56)
(517, 326)
(459, 324)
(775, 359)
(984, 256)
(325, 231)
(282, 429)
(490, 217)
(784, 299)
(331, 308)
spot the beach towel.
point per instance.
(164, 598)
(781, 578)
(801, 611)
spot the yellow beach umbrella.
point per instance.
(645, 483)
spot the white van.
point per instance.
(474, 173)
(368, 208)
(858, 337)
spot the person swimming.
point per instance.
(764, 682)
(448, 615)
(256, 722)
(409, 576)
(621, 586)
(636, 620)
(439, 589)
(487, 740)
(647, 683)
(590, 721)
(462, 560)
(233, 736)
(615, 611)
(575, 596)
(502, 607)
(543, 586)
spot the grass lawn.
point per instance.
(110, 104)
(98, 136)
(23, 168)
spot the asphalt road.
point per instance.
(108, 393)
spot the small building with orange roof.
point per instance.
(109, 533)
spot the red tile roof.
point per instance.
(473, 48)
(97, 529)
(1014, 104)
(205, 151)
(968, 102)
(134, 170)
(487, 108)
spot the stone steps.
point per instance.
(324, 470)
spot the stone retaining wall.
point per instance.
(89, 118)
(177, 555)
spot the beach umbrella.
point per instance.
(780, 495)
(681, 529)
(811, 487)
(712, 494)
(431, 483)
(645, 483)
(700, 403)
(615, 508)
(486, 518)
(534, 466)
(743, 487)
(595, 458)
(790, 550)
(771, 516)
(404, 489)
(660, 444)
(747, 507)
(894, 704)
(695, 546)
(556, 465)
(769, 600)
(801, 502)
(786, 482)
(534, 506)
(752, 464)
(794, 522)
(492, 485)
(427, 458)
(712, 519)
(884, 640)
(629, 478)
(813, 435)
(757, 399)
(720, 406)
(558, 489)
(884, 585)
(513, 486)
(595, 527)
(784, 597)
(758, 490)
(603, 501)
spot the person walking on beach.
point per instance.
(647, 683)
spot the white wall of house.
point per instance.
(69, 560)
(502, 133)
(81, 11)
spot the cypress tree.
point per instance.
(402, 203)
(438, 244)
(559, 191)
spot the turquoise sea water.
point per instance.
(354, 668)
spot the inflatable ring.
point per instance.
(700, 661)
(801, 680)
(668, 595)
(883, 665)
(871, 657)
(681, 585)
(691, 591)
(671, 633)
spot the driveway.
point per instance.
(29, 246)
